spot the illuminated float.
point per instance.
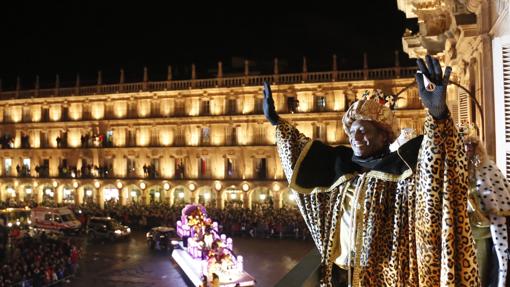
(204, 251)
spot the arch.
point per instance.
(87, 194)
(180, 195)
(287, 199)
(27, 192)
(156, 194)
(232, 196)
(68, 194)
(8, 192)
(109, 193)
(206, 195)
(134, 194)
(260, 196)
(48, 194)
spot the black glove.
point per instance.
(268, 105)
(433, 91)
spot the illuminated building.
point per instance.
(198, 140)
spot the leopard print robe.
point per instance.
(410, 228)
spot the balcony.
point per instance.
(294, 78)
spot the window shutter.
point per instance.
(505, 51)
(501, 53)
(463, 115)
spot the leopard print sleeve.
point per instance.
(442, 230)
(290, 142)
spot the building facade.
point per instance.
(473, 37)
(201, 141)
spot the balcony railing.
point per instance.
(311, 77)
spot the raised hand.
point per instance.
(268, 105)
(432, 86)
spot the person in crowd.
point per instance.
(386, 218)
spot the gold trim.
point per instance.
(388, 176)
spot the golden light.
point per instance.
(28, 190)
(55, 113)
(97, 111)
(16, 183)
(144, 108)
(192, 186)
(119, 185)
(165, 137)
(292, 196)
(262, 197)
(36, 184)
(16, 113)
(75, 111)
(276, 187)
(245, 186)
(143, 137)
(217, 186)
(166, 186)
(181, 194)
(120, 109)
(207, 196)
(74, 138)
(55, 184)
(133, 193)
(88, 192)
(75, 184)
(233, 196)
(142, 185)
(97, 184)
(157, 194)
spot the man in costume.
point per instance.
(388, 218)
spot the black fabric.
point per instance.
(393, 163)
(371, 162)
(324, 164)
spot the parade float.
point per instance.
(204, 251)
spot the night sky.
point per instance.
(83, 37)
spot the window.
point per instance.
(292, 104)
(501, 62)
(317, 132)
(231, 136)
(320, 102)
(45, 114)
(179, 169)
(7, 166)
(258, 105)
(261, 168)
(154, 168)
(109, 139)
(205, 136)
(203, 167)
(231, 107)
(205, 108)
(179, 108)
(229, 168)
(131, 167)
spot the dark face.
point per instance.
(367, 139)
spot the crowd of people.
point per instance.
(264, 221)
(39, 261)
